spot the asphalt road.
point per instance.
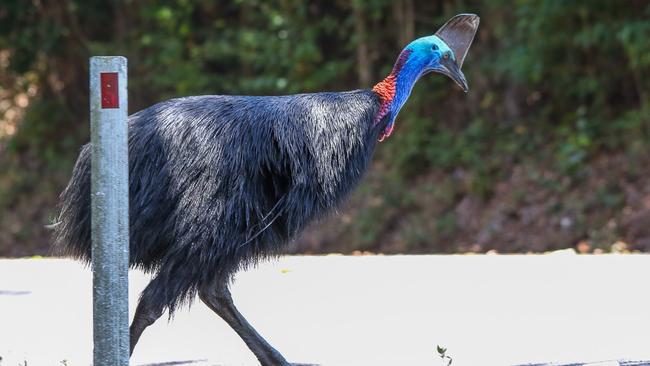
(371, 310)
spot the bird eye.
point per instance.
(446, 55)
(434, 47)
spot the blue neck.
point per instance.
(404, 82)
(396, 88)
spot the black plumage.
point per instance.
(217, 183)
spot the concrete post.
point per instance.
(110, 205)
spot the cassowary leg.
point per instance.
(146, 314)
(217, 297)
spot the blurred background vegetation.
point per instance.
(548, 150)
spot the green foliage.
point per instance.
(552, 83)
(442, 352)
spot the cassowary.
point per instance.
(217, 183)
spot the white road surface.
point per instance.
(369, 310)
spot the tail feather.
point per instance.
(175, 282)
(72, 229)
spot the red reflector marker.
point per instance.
(110, 96)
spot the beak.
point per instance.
(451, 69)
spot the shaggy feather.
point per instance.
(217, 183)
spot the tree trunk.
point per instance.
(405, 19)
(364, 65)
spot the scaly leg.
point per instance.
(217, 297)
(146, 314)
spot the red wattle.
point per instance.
(385, 89)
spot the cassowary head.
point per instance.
(431, 53)
(443, 52)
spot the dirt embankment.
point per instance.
(603, 208)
